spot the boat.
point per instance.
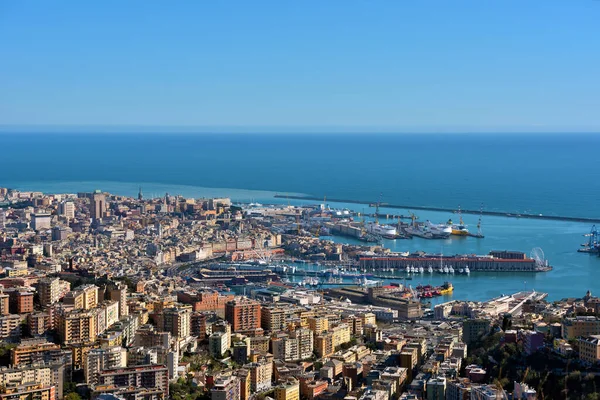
(446, 270)
(451, 270)
(467, 270)
(439, 230)
(459, 229)
(386, 231)
(421, 270)
(430, 270)
(461, 271)
(446, 288)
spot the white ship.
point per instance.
(387, 231)
(421, 270)
(430, 270)
(442, 230)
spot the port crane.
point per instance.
(413, 218)
(377, 205)
(593, 237)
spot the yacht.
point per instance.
(451, 270)
(430, 270)
(421, 270)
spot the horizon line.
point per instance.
(286, 129)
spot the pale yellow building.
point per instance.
(318, 324)
(289, 390)
(77, 326)
(589, 349)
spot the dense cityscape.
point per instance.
(112, 297)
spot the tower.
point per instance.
(140, 195)
(98, 205)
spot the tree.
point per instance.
(72, 396)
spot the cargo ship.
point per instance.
(495, 261)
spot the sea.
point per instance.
(548, 174)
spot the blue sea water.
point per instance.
(549, 174)
(535, 173)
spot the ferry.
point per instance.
(386, 231)
(458, 229)
(439, 229)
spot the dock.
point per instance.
(450, 210)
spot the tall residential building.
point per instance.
(273, 318)
(98, 360)
(29, 390)
(10, 327)
(120, 294)
(226, 388)
(589, 349)
(4, 304)
(475, 329)
(36, 351)
(139, 382)
(97, 205)
(20, 301)
(580, 326)
(341, 334)
(40, 323)
(261, 373)
(243, 314)
(289, 390)
(67, 209)
(459, 389)
(49, 290)
(324, 344)
(176, 320)
(83, 297)
(436, 388)
(198, 325)
(77, 327)
(318, 324)
(41, 221)
(218, 344)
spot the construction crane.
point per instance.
(593, 237)
(377, 205)
(413, 218)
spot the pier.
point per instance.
(444, 209)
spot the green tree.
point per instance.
(72, 396)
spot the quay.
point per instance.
(445, 209)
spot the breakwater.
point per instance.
(444, 209)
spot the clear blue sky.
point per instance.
(405, 65)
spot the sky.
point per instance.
(397, 65)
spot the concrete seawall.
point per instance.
(450, 210)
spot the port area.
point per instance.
(444, 209)
(592, 246)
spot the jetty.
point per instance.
(445, 209)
